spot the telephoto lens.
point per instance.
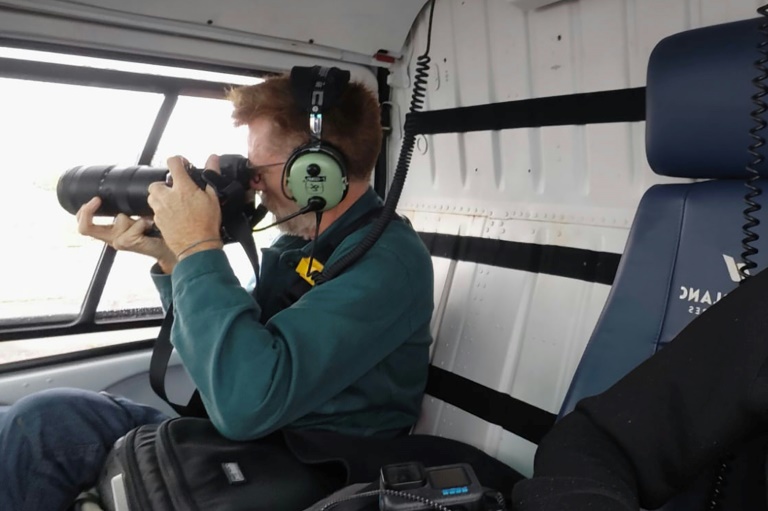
(124, 189)
(121, 189)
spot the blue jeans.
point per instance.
(53, 444)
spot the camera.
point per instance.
(124, 189)
(412, 487)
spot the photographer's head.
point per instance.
(278, 125)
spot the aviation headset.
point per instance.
(315, 174)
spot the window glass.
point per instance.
(48, 128)
(129, 290)
(198, 128)
(46, 265)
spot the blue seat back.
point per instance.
(684, 248)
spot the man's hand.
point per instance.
(125, 234)
(188, 217)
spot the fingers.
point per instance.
(106, 233)
(212, 163)
(122, 223)
(89, 208)
(128, 233)
(211, 192)
(157, 188)
(85, 223)
(177, 167)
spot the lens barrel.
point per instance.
(124, 189)
(121, 189)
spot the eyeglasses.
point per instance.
(258, 169)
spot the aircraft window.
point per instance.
(197, 127)
(46, 129)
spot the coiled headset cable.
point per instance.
(754, 191)
(401, 171)
(758, 142)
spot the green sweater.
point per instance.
(350, 356)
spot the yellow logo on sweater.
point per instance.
(303, 267)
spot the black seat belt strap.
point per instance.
(241, 231)
(158, 367)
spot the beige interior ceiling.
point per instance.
(348, 30)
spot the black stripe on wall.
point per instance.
(624, 105)
(574, 263)
(513, 415)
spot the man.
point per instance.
(349, 357)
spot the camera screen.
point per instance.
(448, 478)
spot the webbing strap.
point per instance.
(298, 287)
(161, 354)
(158, 367)
(240, 230)
(624, 105)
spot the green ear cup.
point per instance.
(316, 174)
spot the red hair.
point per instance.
(352, 126)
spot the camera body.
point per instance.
(452, 486)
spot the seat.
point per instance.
(683, 250)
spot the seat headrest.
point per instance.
(699, 100)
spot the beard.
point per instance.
(303, 226)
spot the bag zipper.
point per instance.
(172, 472)
(134, 486)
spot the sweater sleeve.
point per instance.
(578, 468)
(256, 378)
(652, 433)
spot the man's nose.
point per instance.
(260, 187)
(257, 181)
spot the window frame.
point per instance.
(171, 88)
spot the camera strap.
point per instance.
(158, 367)
(300, 284)
(241, 230)
(235, 226)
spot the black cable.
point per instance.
(318, 219)
(378, 493)
(754, 190)
(401, 171)
(754, 175)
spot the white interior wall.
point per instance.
(575, 186)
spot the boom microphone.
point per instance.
(315, 204)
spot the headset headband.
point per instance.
(316, 109)
(316, 90)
